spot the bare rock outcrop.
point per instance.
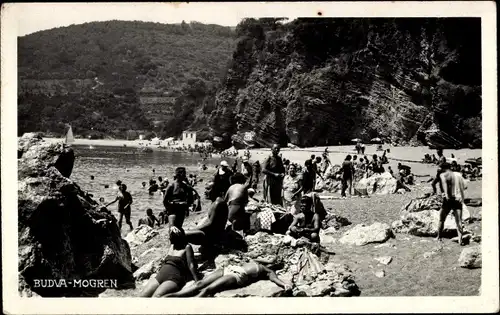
(61, 235)
(420, 217)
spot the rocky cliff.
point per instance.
(62, 236)
(325, 81)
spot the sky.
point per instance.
(33, 17)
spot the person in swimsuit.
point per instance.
(308, 178)
(179, 267)
(275, 172)
(451, 182)
(212, 229)
(231, 277)
(178, 198)
(307, 223)
(237, 199)
(124, 199)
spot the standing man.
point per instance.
(177, 200)
(440, 162)
(222, 181)
(347, 175)
(124, 199)
(275, 172)
(452, 182)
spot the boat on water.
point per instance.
(69, 136)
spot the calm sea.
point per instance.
(132, 167)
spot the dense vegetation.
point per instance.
(325, 81)
(94, 76)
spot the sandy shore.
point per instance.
(337, 153)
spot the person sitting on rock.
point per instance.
(211, 231)
(307, 223)
(232, 277)
(179, 267)
(149, 219)
(125, 200)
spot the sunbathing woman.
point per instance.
(179, 267)
(231, 277)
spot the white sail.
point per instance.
(69, 136)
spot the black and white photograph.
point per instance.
(303, 156)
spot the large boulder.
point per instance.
(470, 257)
(140, 235)
(361, 235)
(420, 217)
(61, 235)
(378, 184)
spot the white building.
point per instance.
(189, 138)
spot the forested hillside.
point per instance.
(325, 81)
(117, 78)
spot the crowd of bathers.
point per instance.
(232, 188)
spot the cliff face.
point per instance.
(325, 81)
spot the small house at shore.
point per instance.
(188, 138)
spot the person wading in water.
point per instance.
(124, 199)
(275, 172)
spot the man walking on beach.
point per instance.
(452, 182)
(437, 180)
(275, 172)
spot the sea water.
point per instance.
(132, 167)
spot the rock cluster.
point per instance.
(420, 217)
(61, 235)
(301, 266)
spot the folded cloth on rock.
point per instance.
(266, 218)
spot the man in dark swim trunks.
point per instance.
(212, 229)
(177, 200)
(451, 182)
(124, 199)
(307, 223)
(237, 199)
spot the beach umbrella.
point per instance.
(356, 140)
(377, 140)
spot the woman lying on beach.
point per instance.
(179, 268)
(231, 277)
